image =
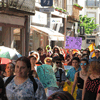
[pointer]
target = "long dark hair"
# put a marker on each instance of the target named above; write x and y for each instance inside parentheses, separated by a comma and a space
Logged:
(61, 95)
(26, 60)
(57, 49)
(3, 93)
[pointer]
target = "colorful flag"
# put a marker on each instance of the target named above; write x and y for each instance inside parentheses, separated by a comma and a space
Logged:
(92, 47)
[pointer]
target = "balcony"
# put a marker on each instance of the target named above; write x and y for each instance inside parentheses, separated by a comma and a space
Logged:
(90, 3)
(19, 7)
(73, 13)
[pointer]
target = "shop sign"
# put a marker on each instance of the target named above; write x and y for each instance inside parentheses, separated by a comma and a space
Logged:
(47, 10)
(56, 20)
(39, 18)
(89, 41)
(90, 36)
(46, 2)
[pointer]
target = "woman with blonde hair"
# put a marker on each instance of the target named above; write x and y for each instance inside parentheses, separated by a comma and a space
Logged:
(91, 82)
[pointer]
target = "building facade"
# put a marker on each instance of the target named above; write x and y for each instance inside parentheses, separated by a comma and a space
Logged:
(48, 26)
(91, 8)
(15, 24)
(73, 18)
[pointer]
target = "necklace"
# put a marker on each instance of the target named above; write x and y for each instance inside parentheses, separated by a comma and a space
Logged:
(83, 74)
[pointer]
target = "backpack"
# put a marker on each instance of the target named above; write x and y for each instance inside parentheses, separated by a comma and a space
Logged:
(35, 86)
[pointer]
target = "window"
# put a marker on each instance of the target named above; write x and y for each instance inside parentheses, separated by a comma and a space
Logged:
(37, 1)
(57, 3)
(91, 14)
(92, 3)
(17, 39)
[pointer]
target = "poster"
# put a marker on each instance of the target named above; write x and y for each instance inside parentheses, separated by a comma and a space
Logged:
(46, 75)
(73, 42)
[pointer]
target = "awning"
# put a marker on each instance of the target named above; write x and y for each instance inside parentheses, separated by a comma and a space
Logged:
(54, 35)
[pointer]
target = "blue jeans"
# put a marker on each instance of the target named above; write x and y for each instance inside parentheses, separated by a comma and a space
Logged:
(79, 94)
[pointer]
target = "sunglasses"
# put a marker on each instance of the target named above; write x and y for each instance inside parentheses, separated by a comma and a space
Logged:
(58, 62)
(96, 52)
(48, 61)
(83, 64)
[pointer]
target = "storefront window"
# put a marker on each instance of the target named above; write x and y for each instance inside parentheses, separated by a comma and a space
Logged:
(17, 40)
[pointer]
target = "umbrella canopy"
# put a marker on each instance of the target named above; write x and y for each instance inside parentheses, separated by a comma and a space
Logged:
(4, 60)
(9, 53)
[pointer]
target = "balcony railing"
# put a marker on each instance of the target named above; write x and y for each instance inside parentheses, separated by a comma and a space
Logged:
(23, 5)
(90, 3)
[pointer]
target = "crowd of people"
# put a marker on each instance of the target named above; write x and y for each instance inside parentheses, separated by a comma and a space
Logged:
(27, 78)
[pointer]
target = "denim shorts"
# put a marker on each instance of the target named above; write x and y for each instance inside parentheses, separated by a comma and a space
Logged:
(79, 94)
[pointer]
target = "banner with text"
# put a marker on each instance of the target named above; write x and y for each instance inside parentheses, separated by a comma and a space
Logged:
(73, 42)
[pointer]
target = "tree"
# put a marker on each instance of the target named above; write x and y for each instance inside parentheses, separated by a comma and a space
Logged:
(88, 23)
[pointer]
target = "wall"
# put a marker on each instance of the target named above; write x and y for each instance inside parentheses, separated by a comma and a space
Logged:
(6, 36)
(84, 12)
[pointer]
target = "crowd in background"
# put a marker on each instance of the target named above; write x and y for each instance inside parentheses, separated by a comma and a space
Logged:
(23, 80)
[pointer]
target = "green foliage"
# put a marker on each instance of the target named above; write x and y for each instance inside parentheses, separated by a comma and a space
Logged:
(57, 8)
(78, 6)
(88, 23)
(61, 9)
(64, 10)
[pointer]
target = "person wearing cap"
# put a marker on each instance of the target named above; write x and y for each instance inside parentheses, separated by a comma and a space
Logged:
(38, 62)
(97, 57)
(48, 60)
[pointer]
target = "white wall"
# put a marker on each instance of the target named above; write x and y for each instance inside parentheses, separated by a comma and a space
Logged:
(82, 3)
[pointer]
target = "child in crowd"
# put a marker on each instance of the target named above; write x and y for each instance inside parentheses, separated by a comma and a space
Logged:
(79, 78)
(91, 82)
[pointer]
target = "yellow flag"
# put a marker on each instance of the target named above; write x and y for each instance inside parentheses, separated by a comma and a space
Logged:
(93, 55)
(91, 47)
(69, 88)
